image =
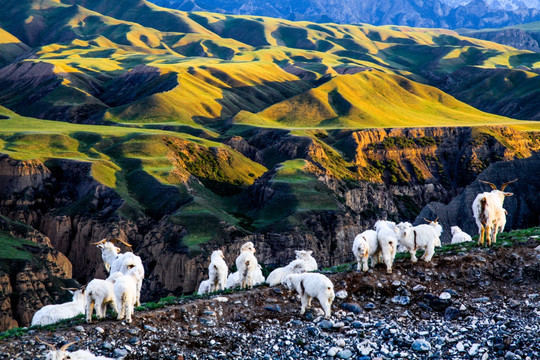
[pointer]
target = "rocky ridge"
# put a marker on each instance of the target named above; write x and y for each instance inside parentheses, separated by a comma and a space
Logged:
(469, 303)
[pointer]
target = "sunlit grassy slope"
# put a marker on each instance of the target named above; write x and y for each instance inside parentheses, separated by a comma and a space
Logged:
(130, 61)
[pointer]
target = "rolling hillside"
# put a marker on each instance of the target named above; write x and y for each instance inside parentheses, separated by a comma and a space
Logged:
(97, 62)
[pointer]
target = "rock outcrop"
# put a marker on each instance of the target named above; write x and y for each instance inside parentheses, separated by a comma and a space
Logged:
(523, 207)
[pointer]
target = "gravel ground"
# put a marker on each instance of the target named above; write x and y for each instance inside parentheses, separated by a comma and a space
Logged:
(482, 304)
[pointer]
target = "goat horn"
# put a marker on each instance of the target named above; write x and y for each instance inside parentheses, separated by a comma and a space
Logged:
(46, 343)
(121, 241)
(436, 219)
(507, 183)
(490, 184)
(429, 221)
(69, 289)
(64, 347)
(99, 242)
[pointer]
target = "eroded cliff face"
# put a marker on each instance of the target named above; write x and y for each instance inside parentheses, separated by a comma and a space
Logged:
(32, 280)
(369, 174)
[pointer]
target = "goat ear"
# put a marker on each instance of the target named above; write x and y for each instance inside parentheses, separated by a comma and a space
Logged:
(118, 250)
(310, 252)
(508, 194)
(297, 252)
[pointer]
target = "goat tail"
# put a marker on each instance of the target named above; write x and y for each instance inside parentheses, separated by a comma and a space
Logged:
(482, 214)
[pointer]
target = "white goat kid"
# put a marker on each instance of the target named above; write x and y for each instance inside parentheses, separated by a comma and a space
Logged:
(204, 287)
(388, 241)
(459, 236)
(51, 314)
(312, 285)
(311, 263)
(99, 294)
(276, 277)
(63, 354)
(366, 246)
(114, 261)
(419, 237)
(487, 208)
(217, 271)
(125, 288)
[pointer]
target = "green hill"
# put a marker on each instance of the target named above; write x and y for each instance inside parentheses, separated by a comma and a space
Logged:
(134, 62)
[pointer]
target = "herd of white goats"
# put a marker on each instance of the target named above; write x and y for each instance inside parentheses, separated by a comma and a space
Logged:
(121, 290)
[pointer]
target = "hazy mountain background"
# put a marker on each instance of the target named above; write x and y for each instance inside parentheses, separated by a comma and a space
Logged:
(452, 14)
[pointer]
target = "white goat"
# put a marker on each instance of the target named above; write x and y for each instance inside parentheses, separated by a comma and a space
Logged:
(204, 287)
(311, 263)
(419, 237)
(366, 246)
(459, 236)
(217, 271)
(487, 208)
(51, 314)
(125, 288)
(247, 264)
(235, 279)
(437, 228)
(114, 261)
(297, 266)
(388, 241)
(99, 293)
(63, 354)
(312, 285)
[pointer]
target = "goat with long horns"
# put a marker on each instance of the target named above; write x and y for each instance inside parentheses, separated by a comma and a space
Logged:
(63, 354)
(488, 212)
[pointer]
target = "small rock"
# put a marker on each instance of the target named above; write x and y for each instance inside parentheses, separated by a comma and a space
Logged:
(460, 347)
(278, 290)
(333, 351)
(354, 308)
(445, 295)
(134, 341)
(473, 350)
(396, 283)
(342, 294)
(326, 324)
(207, 322)
(421, 345)
(340, 343)
(79, 328)
(357, 325)
(511, 356)
(312, 331)
(462, 307)
(221, 299)
(194, 333)
(369, 306)
(99, 330)
(345, 354)
(419, 288)
(481, 299)
(401, 300)
(274, 308)
(120, 353)
(107, 346)
(339, 325)
(150, 328)
(451, 313)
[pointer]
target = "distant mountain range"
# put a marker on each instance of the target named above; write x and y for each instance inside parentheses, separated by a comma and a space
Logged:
(452, 14)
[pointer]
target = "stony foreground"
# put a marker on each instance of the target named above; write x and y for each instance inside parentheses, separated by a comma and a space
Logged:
(479, 304)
